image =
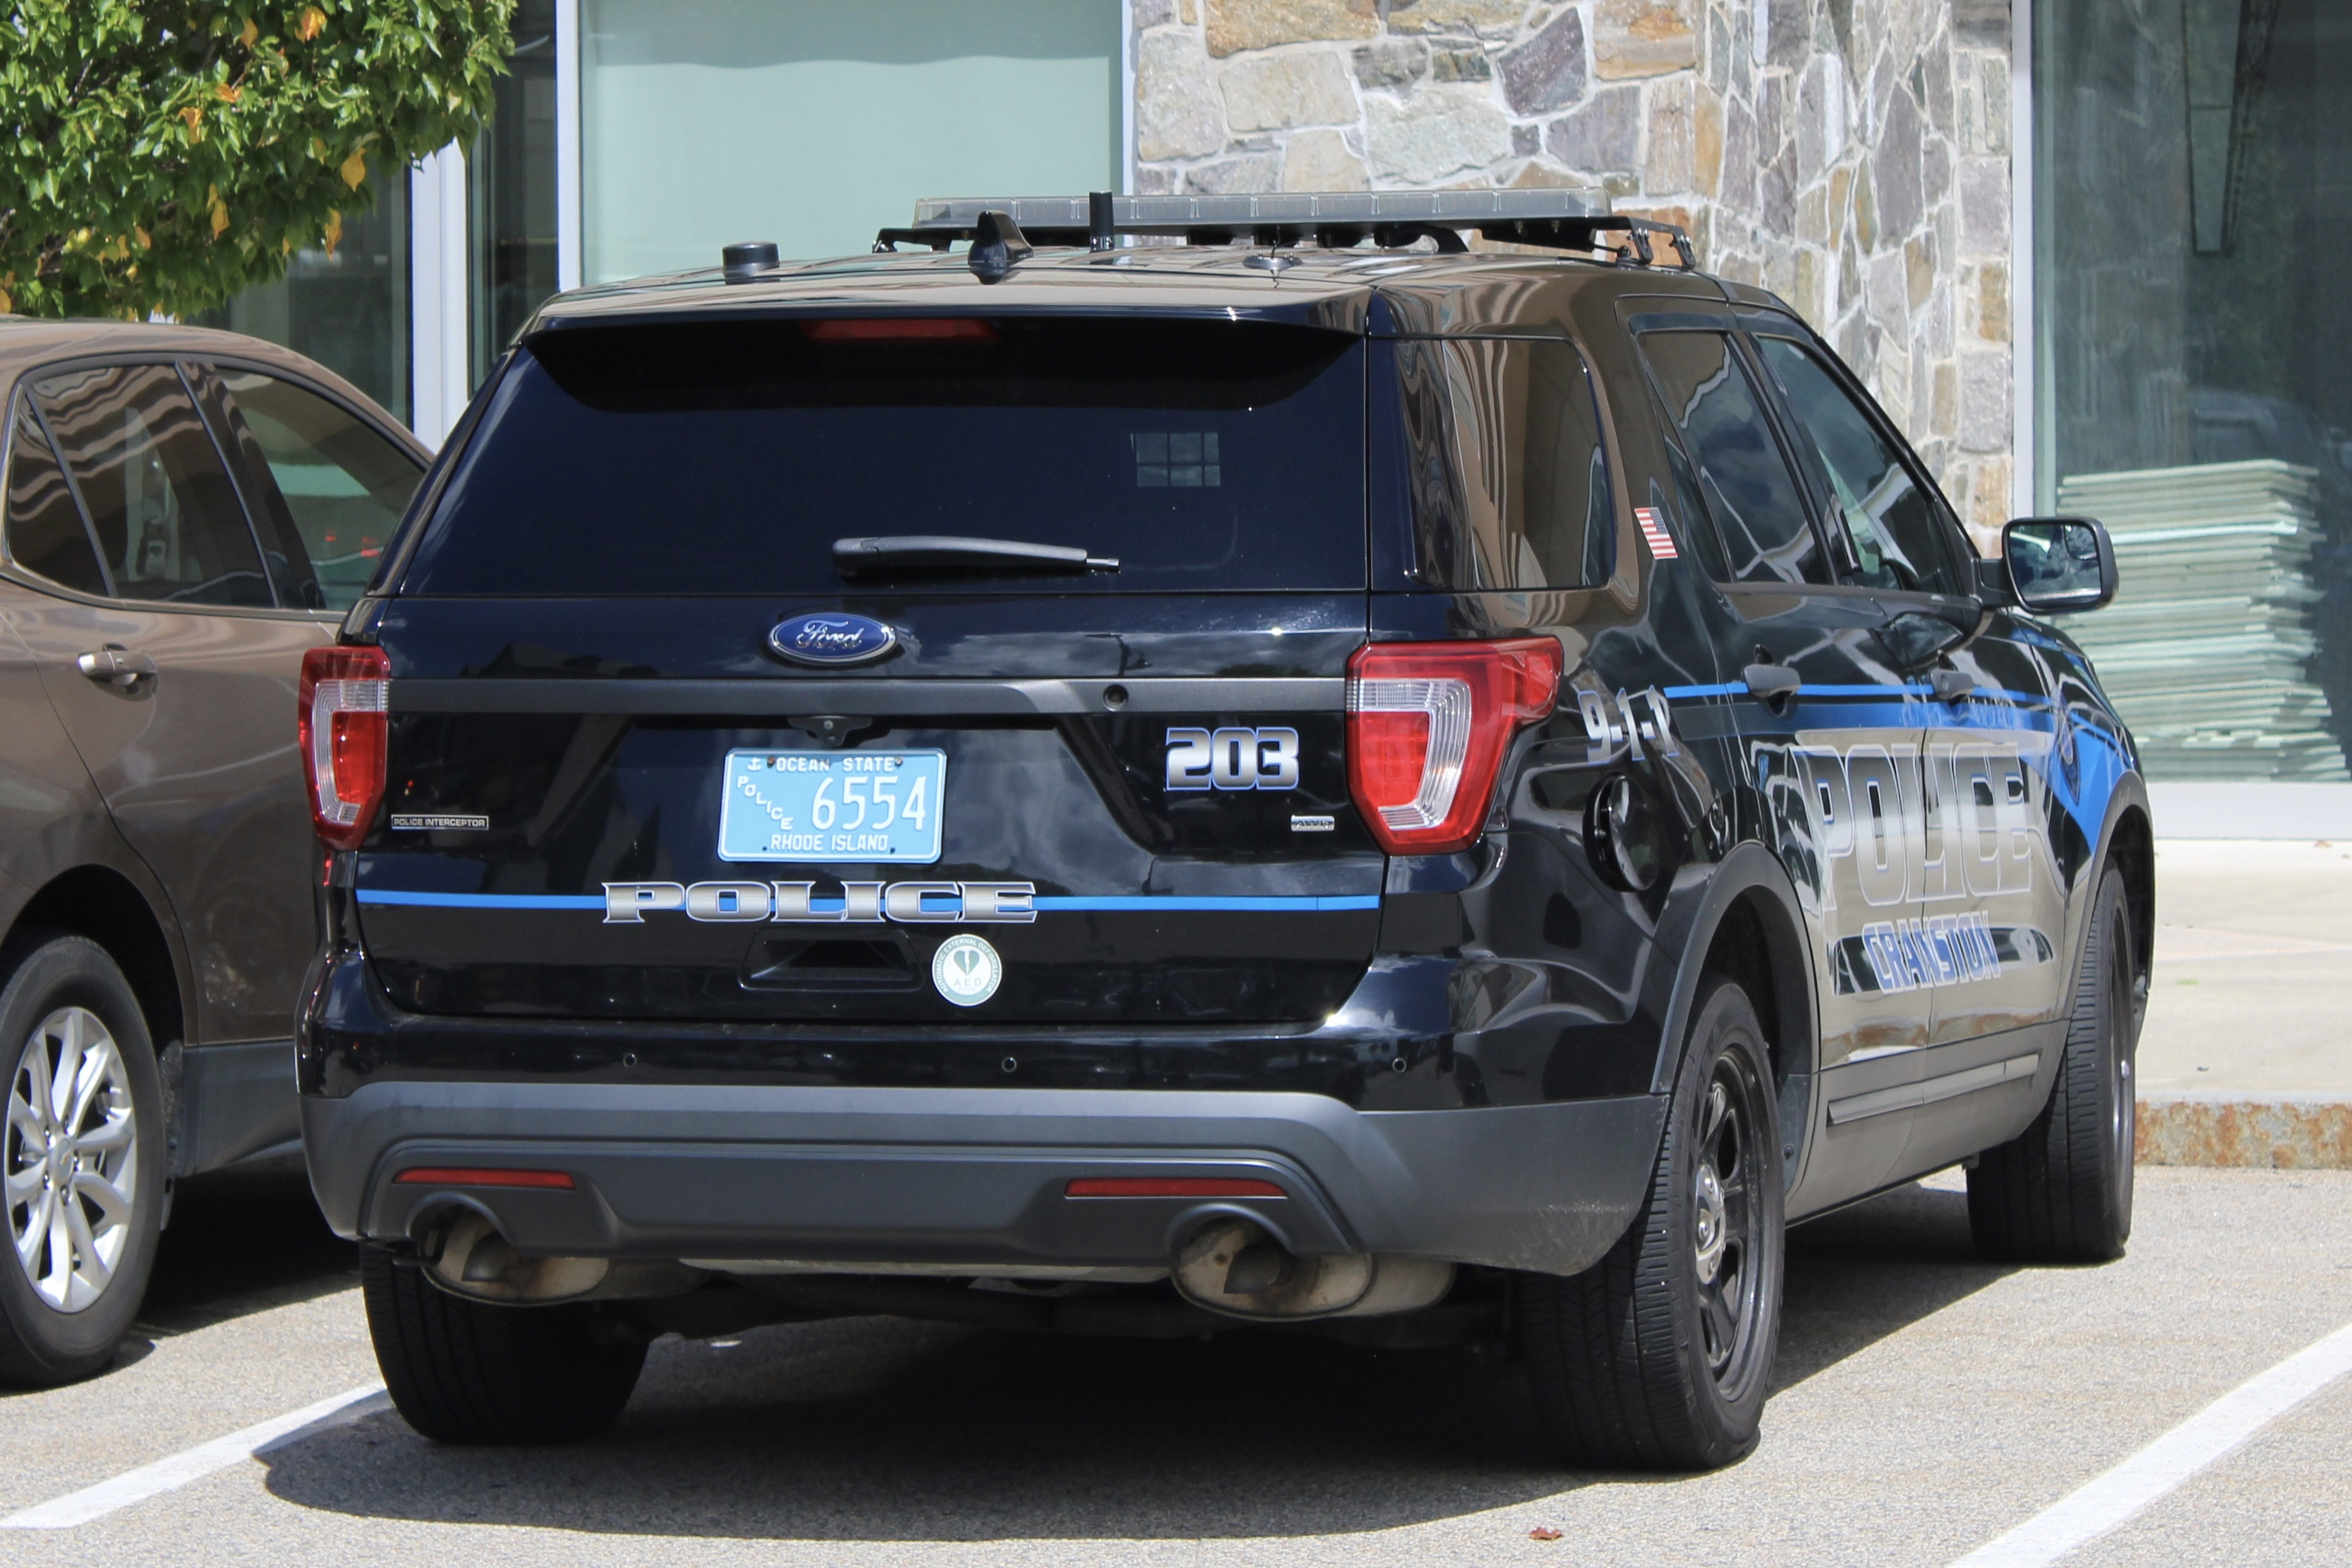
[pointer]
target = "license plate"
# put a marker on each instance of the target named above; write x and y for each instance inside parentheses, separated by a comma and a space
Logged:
(832, 805)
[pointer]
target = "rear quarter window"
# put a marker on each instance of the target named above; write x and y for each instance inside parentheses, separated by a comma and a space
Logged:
(1510, 482)
(715, 458)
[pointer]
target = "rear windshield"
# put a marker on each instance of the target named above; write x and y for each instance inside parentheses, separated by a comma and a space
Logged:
(727, 458)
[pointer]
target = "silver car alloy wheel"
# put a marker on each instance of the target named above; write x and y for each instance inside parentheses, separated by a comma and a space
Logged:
(71, 1158)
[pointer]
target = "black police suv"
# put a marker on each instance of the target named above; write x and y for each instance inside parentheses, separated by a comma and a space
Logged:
(1287, 773)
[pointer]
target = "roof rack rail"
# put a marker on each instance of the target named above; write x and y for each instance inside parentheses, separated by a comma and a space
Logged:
(1557, 219)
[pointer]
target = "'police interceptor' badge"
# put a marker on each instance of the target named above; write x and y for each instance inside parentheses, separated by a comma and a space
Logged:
(967, 971)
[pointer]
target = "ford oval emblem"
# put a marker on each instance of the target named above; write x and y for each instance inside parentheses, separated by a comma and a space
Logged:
(832, 640)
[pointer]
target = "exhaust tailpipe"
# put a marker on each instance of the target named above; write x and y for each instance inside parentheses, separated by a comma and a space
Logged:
(1233, 1267)
(475, 1261)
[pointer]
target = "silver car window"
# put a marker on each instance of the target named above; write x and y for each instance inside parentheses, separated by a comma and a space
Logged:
(45, 530)
(166, 518)
(339, 484)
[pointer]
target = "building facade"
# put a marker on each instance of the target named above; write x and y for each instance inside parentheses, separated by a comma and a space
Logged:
(2078, 248)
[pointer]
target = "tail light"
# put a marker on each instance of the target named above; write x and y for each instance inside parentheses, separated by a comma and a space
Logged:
(346, 699)
(1428, 725)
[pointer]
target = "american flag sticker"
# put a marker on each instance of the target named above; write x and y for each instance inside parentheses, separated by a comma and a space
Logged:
(1662, 544)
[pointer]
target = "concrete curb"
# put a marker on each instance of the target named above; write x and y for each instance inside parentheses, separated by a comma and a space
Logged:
(2271, 1131)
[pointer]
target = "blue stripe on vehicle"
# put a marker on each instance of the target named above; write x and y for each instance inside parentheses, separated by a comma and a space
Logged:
(1914, 688)
(1150, 904)
(483, 900)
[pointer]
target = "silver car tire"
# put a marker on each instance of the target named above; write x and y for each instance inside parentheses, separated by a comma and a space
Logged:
(82, 1153)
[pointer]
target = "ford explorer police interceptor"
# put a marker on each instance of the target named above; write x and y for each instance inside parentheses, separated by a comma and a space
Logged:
(1158, 764)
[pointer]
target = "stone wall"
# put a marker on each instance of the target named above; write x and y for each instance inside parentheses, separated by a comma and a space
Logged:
(1851, 155)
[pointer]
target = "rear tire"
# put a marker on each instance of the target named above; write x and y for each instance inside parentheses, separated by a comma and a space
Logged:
(466, 1371)
(1657, 1356)
(2061, 1191)
(82, 1154)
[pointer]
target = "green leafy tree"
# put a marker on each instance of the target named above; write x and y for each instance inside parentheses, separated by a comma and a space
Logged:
(160, 155)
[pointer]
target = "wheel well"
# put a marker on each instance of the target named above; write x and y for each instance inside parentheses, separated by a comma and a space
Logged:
(1754, 946)
(2132, 851)
(102, 905)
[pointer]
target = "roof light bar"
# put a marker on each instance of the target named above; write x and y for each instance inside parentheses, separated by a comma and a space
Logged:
(1567, 219)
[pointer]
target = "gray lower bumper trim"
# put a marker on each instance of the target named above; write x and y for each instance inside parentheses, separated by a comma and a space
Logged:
(917, 1174)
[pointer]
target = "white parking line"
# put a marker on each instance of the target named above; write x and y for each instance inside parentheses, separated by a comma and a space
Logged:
(2101, 1505)
(191, 1465)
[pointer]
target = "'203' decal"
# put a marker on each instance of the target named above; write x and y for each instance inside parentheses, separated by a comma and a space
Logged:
(1232, 759)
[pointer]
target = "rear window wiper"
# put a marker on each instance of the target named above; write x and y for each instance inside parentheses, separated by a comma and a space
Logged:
(953, 553)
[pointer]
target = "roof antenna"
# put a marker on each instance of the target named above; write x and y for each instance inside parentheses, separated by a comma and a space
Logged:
(743, 262)
(1100, 222)
(997, 243)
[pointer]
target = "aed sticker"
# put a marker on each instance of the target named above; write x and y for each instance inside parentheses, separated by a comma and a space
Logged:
(967, 971)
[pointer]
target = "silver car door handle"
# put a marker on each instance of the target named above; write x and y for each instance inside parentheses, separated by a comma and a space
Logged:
(116, 667)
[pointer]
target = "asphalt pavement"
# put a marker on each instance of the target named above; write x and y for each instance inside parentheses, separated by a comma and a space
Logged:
(1928, 1402)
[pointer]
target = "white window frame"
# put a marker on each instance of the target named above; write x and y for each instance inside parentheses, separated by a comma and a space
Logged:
(2026, 438)
(438, 304)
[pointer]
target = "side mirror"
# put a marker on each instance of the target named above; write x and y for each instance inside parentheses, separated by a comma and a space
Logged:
(2058, 564)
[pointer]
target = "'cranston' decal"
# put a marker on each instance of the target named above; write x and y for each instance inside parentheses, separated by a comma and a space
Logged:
(1938, 951)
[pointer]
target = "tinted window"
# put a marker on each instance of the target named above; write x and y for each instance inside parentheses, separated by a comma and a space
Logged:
(332, 489)
(167, 520)
(1742, 477)
(1898, 536)
(1510, 485)
(45, 531)
(699, 458)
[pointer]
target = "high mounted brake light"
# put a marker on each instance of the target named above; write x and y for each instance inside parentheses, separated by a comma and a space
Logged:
(1428, 725)
(346, 696)
(901, 329)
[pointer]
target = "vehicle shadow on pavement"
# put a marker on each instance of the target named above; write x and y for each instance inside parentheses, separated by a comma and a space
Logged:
(242, 1240)
(876, 1430)
(1860, 1274)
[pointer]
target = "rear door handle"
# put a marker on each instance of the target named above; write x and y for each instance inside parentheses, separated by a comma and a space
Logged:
(116, 666)
(1950, 685)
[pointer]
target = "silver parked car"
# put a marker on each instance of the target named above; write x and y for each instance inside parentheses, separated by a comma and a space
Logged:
(187, 511)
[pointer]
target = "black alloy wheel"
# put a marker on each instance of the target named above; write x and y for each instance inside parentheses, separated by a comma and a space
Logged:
(1726, 1222)
(1657, 1357)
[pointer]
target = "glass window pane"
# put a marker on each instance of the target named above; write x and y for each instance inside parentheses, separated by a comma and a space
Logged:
(1896, 527)
(1743, 479)
(814, 123)
(339, 485)
(346, 308)
(45, 530)
(2192, 242)
(722, 458)
(510, 178)
(167, 520)
(1515, 486)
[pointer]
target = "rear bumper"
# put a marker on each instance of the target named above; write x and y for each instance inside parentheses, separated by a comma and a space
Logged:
(966, 1176)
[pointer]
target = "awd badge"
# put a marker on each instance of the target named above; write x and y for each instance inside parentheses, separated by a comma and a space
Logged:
(966, 970)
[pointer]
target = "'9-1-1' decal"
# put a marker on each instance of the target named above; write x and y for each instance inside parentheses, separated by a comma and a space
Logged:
(1232, 759)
